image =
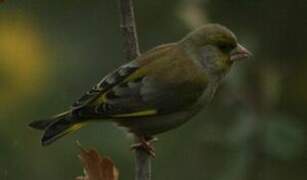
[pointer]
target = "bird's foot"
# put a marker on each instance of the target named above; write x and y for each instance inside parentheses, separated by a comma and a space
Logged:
(146, 145)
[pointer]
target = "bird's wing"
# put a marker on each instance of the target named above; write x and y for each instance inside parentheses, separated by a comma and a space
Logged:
(166, 82)
(107, 83)
(116, 77)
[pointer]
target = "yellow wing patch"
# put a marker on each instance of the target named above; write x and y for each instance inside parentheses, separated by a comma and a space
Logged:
(72, 129)
(102, 99)
(136, 114)
(76, 127)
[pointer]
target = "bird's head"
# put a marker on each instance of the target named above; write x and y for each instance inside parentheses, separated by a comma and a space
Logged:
(216, 47)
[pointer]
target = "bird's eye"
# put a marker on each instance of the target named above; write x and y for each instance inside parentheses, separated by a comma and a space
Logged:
(224, 47)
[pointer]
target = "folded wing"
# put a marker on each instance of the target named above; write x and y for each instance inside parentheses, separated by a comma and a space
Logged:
(160, 82)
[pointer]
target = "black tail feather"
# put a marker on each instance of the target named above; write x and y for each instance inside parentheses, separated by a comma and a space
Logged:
(56, 130)
(56, 127)
(41, 124)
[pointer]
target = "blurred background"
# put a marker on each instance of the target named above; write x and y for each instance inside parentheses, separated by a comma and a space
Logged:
(53, 51)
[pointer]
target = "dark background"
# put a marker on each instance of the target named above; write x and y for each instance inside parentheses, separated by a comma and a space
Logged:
(53, 51)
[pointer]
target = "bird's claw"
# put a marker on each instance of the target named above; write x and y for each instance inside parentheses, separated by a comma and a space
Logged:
(145, 145)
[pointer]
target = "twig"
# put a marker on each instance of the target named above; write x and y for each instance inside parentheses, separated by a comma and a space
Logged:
(142, 165)
(128, 29)
(131, 51)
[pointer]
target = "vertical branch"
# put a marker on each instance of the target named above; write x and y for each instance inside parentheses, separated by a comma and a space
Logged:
(131, 51)
(128, 30)
(142, 165)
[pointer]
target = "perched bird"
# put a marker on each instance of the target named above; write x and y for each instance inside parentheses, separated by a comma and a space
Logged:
(159, 90)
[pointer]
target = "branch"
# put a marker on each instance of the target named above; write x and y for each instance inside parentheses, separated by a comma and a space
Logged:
(128, 30)
(131, 51)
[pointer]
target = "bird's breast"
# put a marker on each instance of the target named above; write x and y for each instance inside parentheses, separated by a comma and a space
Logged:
(207, 95)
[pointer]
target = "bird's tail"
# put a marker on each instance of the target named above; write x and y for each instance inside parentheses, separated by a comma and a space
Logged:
(56, 127)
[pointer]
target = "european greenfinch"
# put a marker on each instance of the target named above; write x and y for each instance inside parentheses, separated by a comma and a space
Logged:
(159, 90)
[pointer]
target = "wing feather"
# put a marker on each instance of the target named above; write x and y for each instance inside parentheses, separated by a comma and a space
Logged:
(105, 84)
(156, 88)
(117, 76)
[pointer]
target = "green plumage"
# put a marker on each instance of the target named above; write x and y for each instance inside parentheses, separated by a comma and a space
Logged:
(157, 91)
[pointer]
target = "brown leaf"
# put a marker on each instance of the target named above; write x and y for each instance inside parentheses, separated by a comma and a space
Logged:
(97, 167)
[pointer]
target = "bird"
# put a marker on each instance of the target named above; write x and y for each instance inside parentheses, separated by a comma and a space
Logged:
(158, 91)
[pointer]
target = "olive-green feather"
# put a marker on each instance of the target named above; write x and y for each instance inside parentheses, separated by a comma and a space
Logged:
(167, 82)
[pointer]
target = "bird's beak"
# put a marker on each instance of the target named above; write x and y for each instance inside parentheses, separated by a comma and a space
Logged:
(239, 53)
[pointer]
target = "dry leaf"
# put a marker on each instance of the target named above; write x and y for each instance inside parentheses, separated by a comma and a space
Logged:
(97, 167)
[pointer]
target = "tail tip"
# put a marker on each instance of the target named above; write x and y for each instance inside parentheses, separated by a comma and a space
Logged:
(40, 124)
(47, 139)
(33, 124)
(45, 143)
